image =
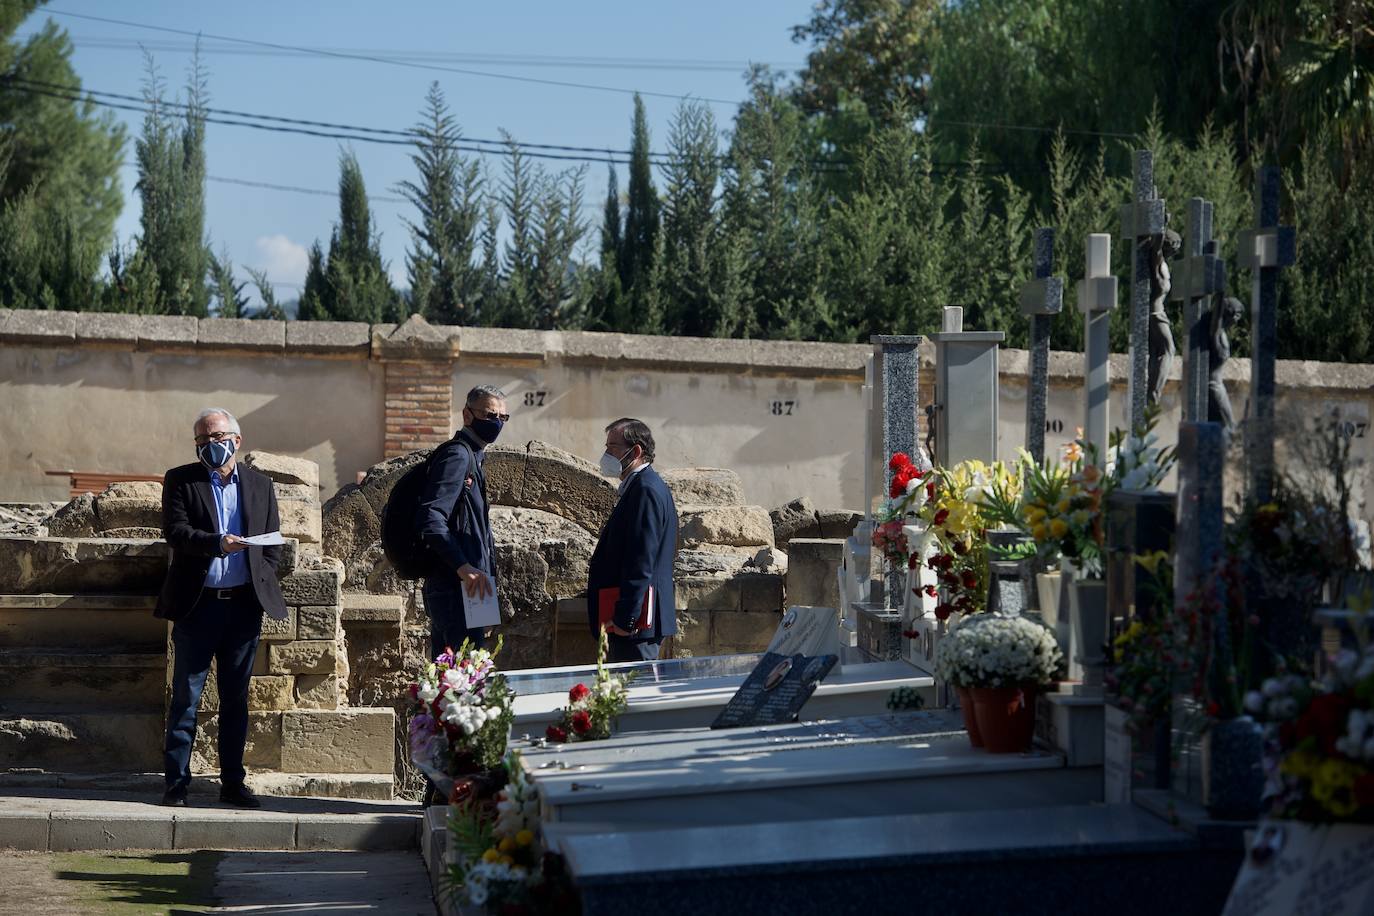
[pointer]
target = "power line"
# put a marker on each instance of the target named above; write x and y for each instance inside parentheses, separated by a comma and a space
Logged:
(106, 43)
(346, 55)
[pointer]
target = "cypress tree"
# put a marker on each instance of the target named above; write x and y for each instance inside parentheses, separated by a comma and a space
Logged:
(639, 243)
(356, 286)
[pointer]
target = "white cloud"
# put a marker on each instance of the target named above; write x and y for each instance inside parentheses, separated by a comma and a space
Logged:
(283, 260)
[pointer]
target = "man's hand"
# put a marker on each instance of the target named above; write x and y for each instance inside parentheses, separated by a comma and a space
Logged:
(475, 582)
(612, 628)
(232, 543)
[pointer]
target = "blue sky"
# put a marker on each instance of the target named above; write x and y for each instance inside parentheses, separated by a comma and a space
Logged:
(271, 230)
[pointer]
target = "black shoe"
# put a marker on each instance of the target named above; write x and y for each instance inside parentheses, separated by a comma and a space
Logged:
(175, 797)
(239, 796)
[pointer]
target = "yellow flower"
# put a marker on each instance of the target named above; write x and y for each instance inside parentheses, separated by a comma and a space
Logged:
(1062, 507)
(491, 855)
(1299, 764)
(1059, 528)
(1035, 514)
(1039, 533)
(507, 860)
(1073, 452)
(506, 845)
(524, 837)
(1333, 785)
(1150, 561)
(1081, 517)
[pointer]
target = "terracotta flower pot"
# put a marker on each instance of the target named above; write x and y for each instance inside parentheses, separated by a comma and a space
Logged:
(970, 720)
(1006, 717)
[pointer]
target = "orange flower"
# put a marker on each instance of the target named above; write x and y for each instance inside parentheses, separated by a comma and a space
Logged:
(1073, 451)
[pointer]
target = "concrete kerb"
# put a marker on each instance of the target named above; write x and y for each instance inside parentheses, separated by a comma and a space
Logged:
(105, 821)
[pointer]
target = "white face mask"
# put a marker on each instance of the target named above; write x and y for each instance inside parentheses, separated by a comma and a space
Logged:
(610, 465)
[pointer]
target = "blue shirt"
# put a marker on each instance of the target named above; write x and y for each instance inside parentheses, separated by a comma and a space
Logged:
(231, 569)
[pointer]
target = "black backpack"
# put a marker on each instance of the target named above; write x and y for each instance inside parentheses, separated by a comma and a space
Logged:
(405, 549)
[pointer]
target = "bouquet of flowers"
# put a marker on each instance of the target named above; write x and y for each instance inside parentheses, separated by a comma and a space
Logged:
(592, 710)
(460, 716)
(989, 650)
(499, 863)
(1320, 753)
(1147, 653)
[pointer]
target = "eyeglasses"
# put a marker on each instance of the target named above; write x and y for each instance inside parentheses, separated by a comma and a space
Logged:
(217, 436)
(490, 415)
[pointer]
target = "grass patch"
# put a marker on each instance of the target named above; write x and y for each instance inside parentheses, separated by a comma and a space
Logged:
(139, 884)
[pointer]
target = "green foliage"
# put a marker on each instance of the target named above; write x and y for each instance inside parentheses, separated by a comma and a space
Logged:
(638, 262)
(447, 196)
(227, 292)
(64, 157)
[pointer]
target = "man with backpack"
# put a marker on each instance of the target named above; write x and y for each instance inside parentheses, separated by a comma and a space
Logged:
(454, 523)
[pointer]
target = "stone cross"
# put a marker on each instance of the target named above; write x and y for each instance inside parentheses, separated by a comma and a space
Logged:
(1140, 220)
(1096, 299)
(1264, 250)
(1041, 300)
(1197, 278)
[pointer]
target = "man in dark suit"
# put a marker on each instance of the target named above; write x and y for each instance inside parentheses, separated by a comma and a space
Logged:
(636, 549)
(455, 521)
(217, 589)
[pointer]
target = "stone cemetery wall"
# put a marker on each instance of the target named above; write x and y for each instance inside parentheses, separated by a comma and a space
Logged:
(786, 417)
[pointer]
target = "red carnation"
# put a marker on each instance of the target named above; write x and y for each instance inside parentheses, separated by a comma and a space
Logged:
(899, 461)
(942, 611)
(554, 733)
(931, 591)
(582, 721)
(960, 548)
(578, 692)
(1324, 720)
(897, 488)
(941, 516)
(911, 634)
(930, 490)
(970, 579)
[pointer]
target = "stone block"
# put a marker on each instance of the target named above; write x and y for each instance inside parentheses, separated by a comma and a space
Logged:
(64, 566)
(373, 609)
(742, 631)
(285, 469)
(262, 749)
(206, 832)
(313, 656)
(300, 520)
(317, 622)
(338, 741)
(693, 634)
(340, 337)
(380, 832)
(74, 520)
(41, 327)
(704, 486)
(167, 332)
(791, 519)
(813, 571)
(87, 832)
(791, 357)
(540, 476)
(260, 660)
(271, 692)
(24, 831)
(274, 630)
(131, 504)
(734, 526)
(762, 592)
(313, 587)
(565, 546)
(134, 534)
(241, 334)
(707, 593)
(317, 691)
(299, 492)
(528, 611)
(107, 329)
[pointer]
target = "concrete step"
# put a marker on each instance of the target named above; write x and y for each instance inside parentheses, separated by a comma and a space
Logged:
(87, 678)
(94, 621)
(361, 786)
(57, 820)
(82, 742)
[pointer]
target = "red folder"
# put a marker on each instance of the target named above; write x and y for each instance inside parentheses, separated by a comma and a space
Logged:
(606, 600)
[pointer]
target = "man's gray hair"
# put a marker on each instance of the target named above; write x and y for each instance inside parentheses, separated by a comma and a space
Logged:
(483, 392)
(220, 411)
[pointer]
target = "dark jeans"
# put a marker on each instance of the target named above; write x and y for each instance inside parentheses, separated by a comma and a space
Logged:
(227, 632)
(624, 649)
(447, 623)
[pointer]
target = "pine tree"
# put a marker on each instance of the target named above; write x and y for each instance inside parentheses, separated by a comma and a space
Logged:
(607, 296)
(225, 290)
(312, 305)
(519, 192)
(171, 188)
(640, 240)
(356, 286)
(448, 197)
(271, 310)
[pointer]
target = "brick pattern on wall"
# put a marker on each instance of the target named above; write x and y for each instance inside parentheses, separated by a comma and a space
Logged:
(419, 405)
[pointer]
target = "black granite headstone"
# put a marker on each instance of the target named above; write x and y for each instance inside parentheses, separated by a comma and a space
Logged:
(775, 691)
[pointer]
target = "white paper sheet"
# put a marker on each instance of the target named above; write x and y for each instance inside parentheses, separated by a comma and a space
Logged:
(481, 612)
(270, 539)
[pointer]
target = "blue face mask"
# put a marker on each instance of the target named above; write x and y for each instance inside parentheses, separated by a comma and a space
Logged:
(215, 455)
(487, 429)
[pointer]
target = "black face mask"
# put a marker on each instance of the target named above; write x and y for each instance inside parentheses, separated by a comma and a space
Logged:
(486, 429)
